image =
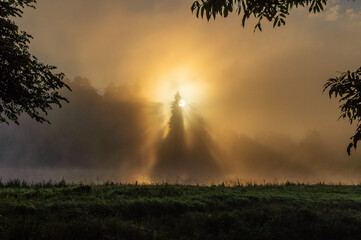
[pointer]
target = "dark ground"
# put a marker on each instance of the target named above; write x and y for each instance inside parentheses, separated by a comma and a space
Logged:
(112, 211)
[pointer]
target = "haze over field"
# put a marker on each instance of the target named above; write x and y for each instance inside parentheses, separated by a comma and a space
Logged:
(254, 107)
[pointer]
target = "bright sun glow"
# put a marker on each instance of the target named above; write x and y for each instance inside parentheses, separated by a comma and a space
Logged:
(182, 103)
(185, 80)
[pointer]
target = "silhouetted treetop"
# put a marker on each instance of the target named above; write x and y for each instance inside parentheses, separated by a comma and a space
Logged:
(26, 85)
(176, 121)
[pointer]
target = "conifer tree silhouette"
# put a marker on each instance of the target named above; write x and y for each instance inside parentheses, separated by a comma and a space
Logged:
(171, 155)
(185, 152)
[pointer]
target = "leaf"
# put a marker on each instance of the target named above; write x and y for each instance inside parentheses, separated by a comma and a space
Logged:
(349, 148)
(225, 13)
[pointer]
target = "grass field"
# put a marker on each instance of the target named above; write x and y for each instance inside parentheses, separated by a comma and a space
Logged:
(115, 211)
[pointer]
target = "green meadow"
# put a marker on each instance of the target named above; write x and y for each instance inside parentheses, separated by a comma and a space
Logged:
(164, 211)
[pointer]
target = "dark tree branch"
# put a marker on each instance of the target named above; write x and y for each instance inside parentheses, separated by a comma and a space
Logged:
(26, 85)
(347, 87)
(275, 11)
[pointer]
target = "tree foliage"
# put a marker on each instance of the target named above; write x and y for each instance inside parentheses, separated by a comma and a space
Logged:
(274, 11)
(26, 85)
(347, 87)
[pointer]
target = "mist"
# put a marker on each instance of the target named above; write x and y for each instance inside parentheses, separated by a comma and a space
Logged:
(255, 108)
(132, 138)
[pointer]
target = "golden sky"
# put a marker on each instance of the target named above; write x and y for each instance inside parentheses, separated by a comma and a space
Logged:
(263, 85)
(259, 81)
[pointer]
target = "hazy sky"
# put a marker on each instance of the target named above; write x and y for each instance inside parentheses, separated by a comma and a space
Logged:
(263, 86)
(269, 81)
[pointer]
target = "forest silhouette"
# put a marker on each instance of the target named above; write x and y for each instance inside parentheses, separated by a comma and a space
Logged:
(118, 129)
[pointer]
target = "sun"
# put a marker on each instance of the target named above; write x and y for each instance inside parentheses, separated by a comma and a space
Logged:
(182, 103)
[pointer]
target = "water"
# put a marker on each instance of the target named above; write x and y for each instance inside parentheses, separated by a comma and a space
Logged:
(70, 175)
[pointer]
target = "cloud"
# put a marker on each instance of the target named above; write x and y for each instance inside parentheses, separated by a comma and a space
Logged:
(347, 12)
(333, 13)
(353, 15)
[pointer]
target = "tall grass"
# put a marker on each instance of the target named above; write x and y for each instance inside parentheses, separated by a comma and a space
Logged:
(226, 210)
(22, 183)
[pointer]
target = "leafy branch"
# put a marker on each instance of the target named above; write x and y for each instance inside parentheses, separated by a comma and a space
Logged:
(26, 85)
(275, 11)
(347, 87)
